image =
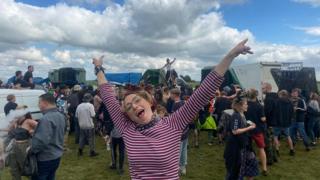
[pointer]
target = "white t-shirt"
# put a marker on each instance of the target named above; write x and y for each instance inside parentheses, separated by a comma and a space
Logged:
(85, 112)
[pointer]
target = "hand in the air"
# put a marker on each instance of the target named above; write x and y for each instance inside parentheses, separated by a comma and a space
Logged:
(97, 61)
(241, 48)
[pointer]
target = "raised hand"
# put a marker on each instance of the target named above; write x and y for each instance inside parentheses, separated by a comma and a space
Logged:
(98, 61)
(241, 48)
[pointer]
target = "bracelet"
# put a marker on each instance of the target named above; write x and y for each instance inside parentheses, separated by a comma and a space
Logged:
(97, 69)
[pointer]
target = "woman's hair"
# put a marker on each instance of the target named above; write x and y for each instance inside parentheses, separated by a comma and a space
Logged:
(165, 90)
(158, 95)
(239, 101)
(10, 97)
(143, 94)
(314, 96)
(175, 91)
(252, 94)
(160, 109)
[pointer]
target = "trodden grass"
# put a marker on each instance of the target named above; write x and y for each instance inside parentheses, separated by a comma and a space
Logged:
(205, 163)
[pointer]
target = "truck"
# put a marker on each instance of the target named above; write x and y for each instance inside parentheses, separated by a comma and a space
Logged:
(67, 76)
(280, 75)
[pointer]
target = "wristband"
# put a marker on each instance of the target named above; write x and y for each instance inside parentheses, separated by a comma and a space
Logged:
(97, 69)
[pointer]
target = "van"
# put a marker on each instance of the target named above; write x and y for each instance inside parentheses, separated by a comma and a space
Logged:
(26, 97)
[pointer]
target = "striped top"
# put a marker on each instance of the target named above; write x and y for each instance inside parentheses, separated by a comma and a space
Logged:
(153, 153)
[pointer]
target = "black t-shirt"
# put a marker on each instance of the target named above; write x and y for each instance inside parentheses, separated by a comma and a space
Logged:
(270, 108)
(10, 106)
(175, 107)
(254, 113)
(221, 104)
(27, 76)
(299, 114)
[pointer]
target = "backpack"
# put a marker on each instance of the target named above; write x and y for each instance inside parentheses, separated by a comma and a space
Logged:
(30, 166)
(208, 123)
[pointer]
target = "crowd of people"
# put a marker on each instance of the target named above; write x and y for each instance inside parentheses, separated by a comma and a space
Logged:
(20, 80)
(152, 125)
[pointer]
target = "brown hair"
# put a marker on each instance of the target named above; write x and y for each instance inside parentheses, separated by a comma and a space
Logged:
(296, 90)
(10, 97)
(314, 96)
(161, 109)
(253, 94)
(165, 90)
(237, 103)
(175, 91)
(143, 94)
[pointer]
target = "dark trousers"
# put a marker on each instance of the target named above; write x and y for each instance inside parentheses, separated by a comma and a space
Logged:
(87, 135)
(47, 169)
(76, 131)
(311, 126)
(72, 116)
(270, 148)
(317, 128)
(114, 143)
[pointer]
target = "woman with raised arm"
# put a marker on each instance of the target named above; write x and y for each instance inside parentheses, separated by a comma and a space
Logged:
(153, 143)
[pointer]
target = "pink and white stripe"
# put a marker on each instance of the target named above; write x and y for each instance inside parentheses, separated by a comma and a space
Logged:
(153, 153)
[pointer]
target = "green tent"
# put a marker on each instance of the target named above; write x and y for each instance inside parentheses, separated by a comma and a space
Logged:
(154, 76)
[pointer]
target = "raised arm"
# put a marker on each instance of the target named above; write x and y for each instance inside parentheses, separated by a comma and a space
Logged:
(172, 61)
(207, 89)
(108, 98)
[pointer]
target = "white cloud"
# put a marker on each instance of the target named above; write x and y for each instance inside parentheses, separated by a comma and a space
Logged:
(93, 3)
(135, 36)
(314, 3)
(315, 31)
(19, 59)
(233, 1)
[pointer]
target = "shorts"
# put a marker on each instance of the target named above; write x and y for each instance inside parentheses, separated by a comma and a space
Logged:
(259, 140)
(278, 130)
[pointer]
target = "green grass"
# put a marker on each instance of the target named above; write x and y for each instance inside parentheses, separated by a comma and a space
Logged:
(203, 163)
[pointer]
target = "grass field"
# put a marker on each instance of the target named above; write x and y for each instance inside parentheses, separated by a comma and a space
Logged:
(205, 163)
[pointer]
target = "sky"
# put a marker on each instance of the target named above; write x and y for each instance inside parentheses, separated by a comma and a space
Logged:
(135, 35)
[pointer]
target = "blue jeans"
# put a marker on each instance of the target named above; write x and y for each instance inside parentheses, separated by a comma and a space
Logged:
(317, 128)
(47, 170)
(311, 126)
(184, 153)
(299, 126)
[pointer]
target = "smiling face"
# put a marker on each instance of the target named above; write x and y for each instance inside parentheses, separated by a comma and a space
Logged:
(138, 108)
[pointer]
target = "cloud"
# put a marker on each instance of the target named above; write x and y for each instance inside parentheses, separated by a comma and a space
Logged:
(135, 36)
(18, 59)
(147, 27)
(233, 2)
(91, 3)
(313, 3)
(314, 31)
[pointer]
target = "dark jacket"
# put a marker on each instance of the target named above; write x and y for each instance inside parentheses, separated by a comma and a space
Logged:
(300, 113)
(270, 103)
(221, 104)
(234, 145)
(284, 109)
(312, 113)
